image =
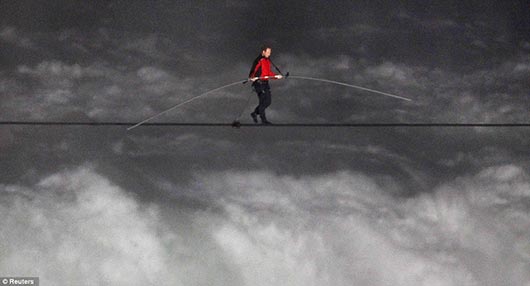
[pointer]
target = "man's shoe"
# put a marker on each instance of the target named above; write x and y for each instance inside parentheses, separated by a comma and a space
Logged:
(266, 122)
(254, 117)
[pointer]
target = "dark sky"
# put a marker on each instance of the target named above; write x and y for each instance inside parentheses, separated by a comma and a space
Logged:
(452, 202)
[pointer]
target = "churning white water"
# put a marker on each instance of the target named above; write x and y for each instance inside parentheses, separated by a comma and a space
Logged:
(78, 228)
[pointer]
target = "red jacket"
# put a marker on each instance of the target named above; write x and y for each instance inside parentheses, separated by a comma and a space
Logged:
(261, 67)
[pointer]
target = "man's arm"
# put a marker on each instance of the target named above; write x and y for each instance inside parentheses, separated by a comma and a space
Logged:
(254, 67)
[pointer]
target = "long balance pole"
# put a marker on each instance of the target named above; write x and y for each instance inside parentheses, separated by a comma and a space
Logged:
(245, 81)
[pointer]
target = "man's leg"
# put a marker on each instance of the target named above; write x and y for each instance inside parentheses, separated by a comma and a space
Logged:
(258, 90)
(268, 98)
(265, 101)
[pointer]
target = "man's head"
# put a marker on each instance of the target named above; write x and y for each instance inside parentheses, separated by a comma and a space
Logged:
(266, 51)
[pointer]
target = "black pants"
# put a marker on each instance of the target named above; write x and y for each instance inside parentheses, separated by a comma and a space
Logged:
(264, 95)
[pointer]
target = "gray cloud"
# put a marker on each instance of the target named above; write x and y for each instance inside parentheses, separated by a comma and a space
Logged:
(11, 35)
(96, 90)
(6, 138)
(98, 87)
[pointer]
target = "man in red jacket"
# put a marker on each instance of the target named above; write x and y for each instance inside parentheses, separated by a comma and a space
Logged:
(260, 73)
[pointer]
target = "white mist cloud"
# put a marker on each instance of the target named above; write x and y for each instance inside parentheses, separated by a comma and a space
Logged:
(329, 230)
(76, 227)
(344, 228)
(484, 220)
